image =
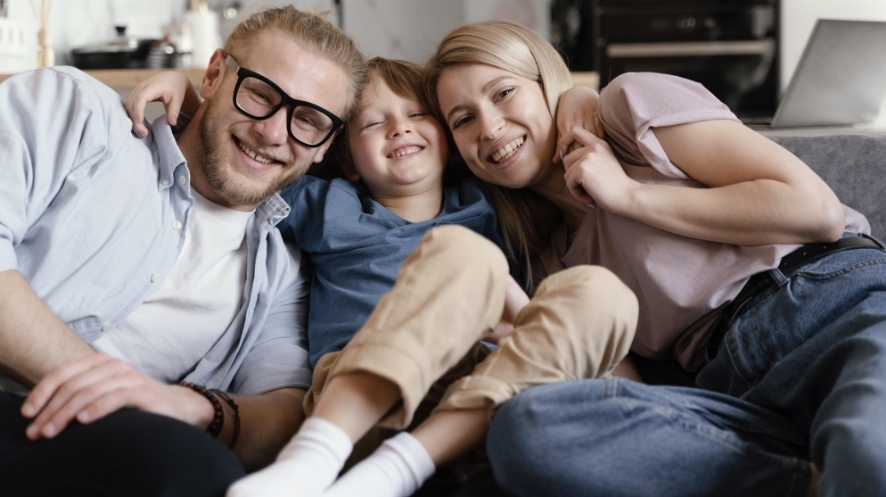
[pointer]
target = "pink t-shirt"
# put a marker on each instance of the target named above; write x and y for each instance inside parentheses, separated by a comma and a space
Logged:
(681, 283)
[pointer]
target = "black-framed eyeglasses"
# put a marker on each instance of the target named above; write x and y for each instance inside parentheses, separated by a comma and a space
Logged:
(259, 98)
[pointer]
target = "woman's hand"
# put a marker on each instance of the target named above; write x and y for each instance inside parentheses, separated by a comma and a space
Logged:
(169, 87)
(515, 300)
(577, 108)
(593, 174)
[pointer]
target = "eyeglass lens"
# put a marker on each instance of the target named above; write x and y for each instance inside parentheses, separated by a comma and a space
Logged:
(257, 98)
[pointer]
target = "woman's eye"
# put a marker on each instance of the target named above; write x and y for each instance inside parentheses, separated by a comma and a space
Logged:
(418, 114)
(461, 122)
(504, 93)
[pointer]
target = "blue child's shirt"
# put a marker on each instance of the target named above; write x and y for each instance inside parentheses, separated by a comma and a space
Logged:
(357, 246)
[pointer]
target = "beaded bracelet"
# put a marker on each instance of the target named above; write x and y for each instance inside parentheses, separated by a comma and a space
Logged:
(234, 407)
(218, 418)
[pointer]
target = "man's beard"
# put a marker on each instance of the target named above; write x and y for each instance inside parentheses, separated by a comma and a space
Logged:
(214, 158)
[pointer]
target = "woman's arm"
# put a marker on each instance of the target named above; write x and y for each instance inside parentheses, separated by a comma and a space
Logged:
(174, 89)
(759, 193)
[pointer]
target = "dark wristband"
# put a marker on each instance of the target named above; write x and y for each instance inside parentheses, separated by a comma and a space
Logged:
(234, 407)
(218, 418)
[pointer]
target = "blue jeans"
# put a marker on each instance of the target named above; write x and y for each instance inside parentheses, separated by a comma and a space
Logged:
(800, 376)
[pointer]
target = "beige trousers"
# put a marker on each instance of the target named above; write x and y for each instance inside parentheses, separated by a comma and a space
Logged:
(449, 295)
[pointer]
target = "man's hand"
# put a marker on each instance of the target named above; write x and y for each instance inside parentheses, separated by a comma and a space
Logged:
(91, 388)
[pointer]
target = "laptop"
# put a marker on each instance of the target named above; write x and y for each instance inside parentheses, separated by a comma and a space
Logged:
(841, 77)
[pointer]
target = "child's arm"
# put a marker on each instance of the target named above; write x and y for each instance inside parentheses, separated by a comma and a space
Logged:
(577, 108)
(172, 88)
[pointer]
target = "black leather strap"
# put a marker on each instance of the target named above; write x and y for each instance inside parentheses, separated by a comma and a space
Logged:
(814, 251)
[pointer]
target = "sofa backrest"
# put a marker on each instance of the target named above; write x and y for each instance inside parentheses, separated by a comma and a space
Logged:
(854, 166)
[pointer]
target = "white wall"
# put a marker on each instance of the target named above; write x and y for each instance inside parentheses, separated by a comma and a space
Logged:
(798, 18)
(400, 29)
(405, 29)
(411, 29)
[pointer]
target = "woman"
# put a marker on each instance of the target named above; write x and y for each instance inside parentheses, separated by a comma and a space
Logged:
(733, 247)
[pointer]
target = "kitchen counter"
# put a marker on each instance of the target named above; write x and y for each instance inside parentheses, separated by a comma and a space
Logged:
(129, 78)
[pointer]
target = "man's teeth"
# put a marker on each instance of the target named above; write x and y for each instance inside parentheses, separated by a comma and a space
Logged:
(507, 151)
(252, 154)
(406, 151)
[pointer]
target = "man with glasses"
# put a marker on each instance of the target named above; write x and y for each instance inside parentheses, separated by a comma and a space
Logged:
(160, 254)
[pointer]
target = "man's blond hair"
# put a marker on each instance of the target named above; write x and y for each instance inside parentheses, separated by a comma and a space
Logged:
(313, 33)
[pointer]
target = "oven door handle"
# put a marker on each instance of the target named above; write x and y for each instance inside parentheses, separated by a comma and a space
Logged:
(688, 49)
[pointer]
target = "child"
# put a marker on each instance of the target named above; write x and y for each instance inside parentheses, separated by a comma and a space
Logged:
(357, 233)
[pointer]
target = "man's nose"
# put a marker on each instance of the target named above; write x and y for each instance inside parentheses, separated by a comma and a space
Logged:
(273, 129)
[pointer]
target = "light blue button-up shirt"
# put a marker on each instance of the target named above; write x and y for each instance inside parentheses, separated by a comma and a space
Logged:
(94, 219)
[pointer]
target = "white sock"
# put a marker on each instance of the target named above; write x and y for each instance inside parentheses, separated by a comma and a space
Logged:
(397, 469)
(305, 467)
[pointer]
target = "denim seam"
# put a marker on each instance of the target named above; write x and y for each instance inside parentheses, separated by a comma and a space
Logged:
(735, 367)
(841, 271)
(785, 462)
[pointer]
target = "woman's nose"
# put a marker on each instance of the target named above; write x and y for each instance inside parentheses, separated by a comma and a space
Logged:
(490, 124)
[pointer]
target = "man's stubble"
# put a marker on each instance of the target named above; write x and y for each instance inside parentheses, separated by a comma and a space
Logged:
(215, 158)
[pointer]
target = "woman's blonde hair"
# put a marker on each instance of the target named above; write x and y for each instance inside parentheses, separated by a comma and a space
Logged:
(526, 218)
(313, 33)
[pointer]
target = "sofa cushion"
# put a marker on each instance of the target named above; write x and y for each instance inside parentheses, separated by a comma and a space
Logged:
(853, 165)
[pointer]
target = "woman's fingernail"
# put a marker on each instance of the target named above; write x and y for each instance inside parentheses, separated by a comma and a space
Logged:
(49, 429)
(83, 417)
(28, 410)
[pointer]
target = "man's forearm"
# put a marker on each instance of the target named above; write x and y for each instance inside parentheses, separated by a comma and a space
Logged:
(267, 422)
(32, 339)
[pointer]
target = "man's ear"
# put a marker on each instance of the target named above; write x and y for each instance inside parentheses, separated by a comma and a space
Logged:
(215, 73)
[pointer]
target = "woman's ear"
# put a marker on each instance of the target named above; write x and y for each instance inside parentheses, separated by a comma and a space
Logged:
(214, 75)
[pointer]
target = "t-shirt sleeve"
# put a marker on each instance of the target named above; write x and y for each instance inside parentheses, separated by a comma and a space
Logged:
(635, 103)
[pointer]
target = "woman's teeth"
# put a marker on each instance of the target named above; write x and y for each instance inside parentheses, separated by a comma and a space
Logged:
(252, 154)
(507, 151)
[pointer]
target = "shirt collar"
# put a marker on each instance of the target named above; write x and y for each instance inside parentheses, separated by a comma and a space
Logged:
(170, 157)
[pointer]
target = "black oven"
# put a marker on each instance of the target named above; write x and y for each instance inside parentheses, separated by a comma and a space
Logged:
(729, 46)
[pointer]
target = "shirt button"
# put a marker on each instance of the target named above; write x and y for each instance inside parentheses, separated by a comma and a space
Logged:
(106, 326)
(176, 225)
(154, 277)
(165, 182)
(182, 179)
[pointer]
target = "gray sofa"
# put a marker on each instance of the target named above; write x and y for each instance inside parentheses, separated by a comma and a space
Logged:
(855, 168)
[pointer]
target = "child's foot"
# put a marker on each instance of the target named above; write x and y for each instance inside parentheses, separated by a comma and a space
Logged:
(397, 469)
(305, 467)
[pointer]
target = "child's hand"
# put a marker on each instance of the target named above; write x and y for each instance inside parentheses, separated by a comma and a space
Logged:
(577, 108)
(515, 300)
(168, 87)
